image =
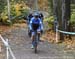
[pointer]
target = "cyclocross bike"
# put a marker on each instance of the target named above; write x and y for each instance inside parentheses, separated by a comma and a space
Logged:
(36, 41)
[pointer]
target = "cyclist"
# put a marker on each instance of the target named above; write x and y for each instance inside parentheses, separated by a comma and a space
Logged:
(35, 25)
(28, 21)
(29, 17)
(41, 16)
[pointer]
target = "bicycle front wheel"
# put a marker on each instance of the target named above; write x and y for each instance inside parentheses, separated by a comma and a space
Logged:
(35, 47)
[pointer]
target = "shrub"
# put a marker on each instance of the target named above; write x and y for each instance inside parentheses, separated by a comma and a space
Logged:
(49, 20)
(18, 11)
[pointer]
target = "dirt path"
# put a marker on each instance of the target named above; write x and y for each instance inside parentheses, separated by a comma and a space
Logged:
(21, 43)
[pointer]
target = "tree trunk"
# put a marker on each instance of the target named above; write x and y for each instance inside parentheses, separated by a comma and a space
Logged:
(61, 11)
(55, 9)
(55, 12)
(65, 14)
(68, 16)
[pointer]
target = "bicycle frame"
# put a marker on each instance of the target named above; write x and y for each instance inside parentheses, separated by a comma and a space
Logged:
(36, 40)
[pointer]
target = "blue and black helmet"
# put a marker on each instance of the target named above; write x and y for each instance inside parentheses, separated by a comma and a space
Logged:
(35, 14)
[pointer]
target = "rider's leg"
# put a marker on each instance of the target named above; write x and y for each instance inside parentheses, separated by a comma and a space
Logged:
(32, 38)
(39, 33)
(29, 32)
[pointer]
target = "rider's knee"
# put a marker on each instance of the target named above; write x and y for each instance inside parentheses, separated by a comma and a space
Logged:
(32, 37)
(39, 32)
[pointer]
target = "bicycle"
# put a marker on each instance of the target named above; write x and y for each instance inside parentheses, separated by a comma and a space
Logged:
(36, 41)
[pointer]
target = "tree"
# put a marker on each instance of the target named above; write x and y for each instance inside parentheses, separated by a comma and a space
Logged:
(65, 14)
(61, 9)
(55, 10)
(51, 3)
(2, 5)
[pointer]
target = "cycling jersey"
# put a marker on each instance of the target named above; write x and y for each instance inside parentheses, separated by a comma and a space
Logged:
(36, 24)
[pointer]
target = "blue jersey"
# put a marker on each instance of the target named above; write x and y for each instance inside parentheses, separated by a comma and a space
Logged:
(35, 24)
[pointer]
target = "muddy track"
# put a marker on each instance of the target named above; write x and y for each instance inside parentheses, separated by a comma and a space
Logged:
(21, 43)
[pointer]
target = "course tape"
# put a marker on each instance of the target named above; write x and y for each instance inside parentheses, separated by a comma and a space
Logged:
(8, 48)
(71, 33)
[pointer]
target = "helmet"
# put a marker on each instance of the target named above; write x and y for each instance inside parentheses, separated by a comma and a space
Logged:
(36, 14)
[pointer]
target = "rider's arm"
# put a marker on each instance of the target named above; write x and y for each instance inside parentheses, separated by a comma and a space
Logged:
(41, 24)
(27, 19)
(30, 24)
